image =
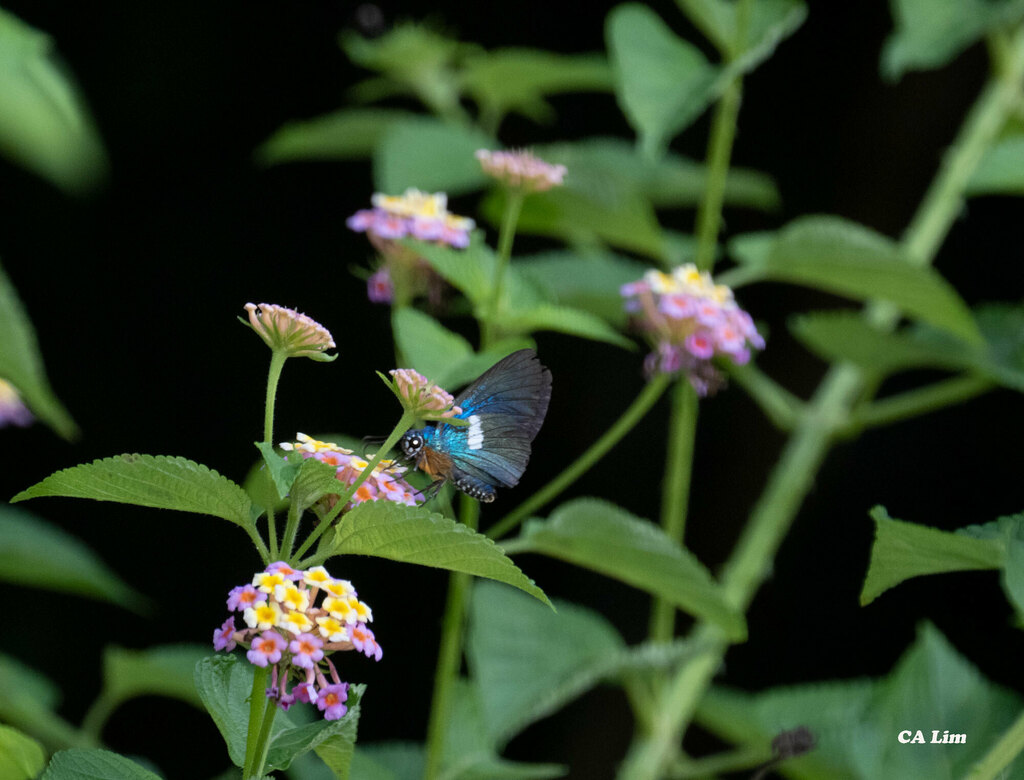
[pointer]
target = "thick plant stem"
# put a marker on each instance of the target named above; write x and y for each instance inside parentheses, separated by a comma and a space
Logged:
(509, 219)
(277, 358)
(449, 656)
(675, 494)
(256, 702)
(634, 413)
(824, 416)
(723, 132)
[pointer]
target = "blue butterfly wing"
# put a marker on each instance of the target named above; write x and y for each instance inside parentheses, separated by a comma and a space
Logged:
(517, 386)
(505, 408)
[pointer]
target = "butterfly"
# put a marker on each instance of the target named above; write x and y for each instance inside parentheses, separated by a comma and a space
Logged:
(504, 409)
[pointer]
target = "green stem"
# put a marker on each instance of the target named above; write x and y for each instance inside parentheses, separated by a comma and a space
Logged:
(675, 494)
(634, 413)
(257, 697)
(825, 415)
(920, 401)
(779, 405)
(513, 207)
(404, 423)
(739, 760)
(1001, 754)
(277, 358)
(450, 652)
(290, 529)
(263, 740)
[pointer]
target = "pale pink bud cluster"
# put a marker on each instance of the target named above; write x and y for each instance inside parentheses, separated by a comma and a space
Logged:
(521, 170)
(421, 396)
(689, 320)
(289, 331)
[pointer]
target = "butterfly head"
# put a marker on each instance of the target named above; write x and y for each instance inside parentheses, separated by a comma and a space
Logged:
(411, 444)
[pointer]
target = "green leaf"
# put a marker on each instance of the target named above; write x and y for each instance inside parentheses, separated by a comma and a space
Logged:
(441, 355)
(430, 155)
(904, 550)
(415, 535)
(931, 33)
(469, 752)
(588, 281)
(587, 211)
(333, 741)
(605, 538)
(21, 757)
(527, 661)
(517, 79)
(159, 481)
(846, 335)
(167, 670)
(663, 83)
(315, 480)
(670, 181)
(465, 371)
(770, 21)
(427, 345)
(351, 133)
(260, 488)
(562, 319)
(389, 761)
(29, 701)
(856, 723)
(1012, 578)
(93, 764)
(1001, 170)
(224, 683)
(282, 471)
(842, 257)
(39, 555)
(469, 270)
(21, 363)
(44, 123)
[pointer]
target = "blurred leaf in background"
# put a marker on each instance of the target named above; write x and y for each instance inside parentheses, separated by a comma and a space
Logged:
(44, 123)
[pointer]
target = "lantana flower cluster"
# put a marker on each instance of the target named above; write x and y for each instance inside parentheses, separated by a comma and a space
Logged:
(689, 320)
(294, 620)
(414, 214)
(521, 170)
(421, 396)
(387, 481)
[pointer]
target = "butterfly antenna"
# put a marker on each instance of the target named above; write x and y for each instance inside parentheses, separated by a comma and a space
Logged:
(371, 441)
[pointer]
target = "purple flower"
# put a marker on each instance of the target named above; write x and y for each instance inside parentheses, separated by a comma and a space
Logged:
(224, 637)
(306, 650)
(266, 648)
(12, 410)
(331, 700)
(379, 287)
(242, 597)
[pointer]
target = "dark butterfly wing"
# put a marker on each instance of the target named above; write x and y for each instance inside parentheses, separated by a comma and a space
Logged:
(517, 386)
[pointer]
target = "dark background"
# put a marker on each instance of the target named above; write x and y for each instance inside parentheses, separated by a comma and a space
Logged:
(134, 294)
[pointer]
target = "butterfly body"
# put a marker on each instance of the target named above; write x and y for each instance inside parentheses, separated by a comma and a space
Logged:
(503, 410)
